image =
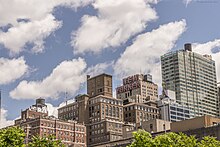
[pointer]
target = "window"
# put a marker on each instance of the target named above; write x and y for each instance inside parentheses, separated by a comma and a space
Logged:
(100, 90)
(151, 127)
(106, 110)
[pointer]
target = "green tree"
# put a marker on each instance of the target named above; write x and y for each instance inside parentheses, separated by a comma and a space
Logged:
(175, 140)
(12, 137)
(208, 141)
(49, 141)
(144, 139)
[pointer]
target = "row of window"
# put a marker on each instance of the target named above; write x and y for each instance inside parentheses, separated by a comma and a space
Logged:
(143, 108)
(99, 139)
(61, 126)
(101, 131)
(106, 100)
(68, 108)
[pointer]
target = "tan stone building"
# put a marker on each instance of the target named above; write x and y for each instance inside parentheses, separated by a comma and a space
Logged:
(36, 122)
(105, 112)
(194, 123)
(199, 127)
(155, 125)
(105, 119)
(99, 85)
(138, 112)
(137, 88)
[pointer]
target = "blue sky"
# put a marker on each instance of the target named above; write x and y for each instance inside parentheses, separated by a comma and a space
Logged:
(48, 47)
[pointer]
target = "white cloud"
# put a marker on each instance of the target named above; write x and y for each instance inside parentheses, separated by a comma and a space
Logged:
(12, 69)
(144, 54)
(66, 102)
(116, 22)
(187, 2)
(4, 122)
(31, 32)
(207, 48)
(39, 22)
(98, 68)
(66, 77)
(52, 110)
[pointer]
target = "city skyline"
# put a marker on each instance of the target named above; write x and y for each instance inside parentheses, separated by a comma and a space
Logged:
(70, 39)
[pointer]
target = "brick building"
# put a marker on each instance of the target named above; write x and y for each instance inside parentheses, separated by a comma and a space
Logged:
(35, 121)
(77, 110)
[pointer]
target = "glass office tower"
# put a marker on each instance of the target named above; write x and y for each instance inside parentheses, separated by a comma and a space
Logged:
(193, 78)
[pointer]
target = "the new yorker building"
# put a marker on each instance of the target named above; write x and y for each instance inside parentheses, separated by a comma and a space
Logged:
(137, 88)
(139, 95)
(193, 78)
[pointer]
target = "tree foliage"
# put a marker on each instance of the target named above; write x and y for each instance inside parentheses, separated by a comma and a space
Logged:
(15, 136)
(144, 139)
(12, 137)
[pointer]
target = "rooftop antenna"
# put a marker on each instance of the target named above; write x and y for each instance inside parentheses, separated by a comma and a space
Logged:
(140, 71)
(66, 97)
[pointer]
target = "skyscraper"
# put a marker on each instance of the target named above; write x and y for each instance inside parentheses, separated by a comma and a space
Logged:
(218, 85)
(218, 89)
(193, 78)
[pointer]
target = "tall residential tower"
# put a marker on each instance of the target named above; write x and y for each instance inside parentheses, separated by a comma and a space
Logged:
(193, 78)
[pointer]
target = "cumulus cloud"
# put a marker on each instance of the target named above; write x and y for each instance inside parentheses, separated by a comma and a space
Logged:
(4, 122)
(31, 32)
(66, 102)
(116, 22)
(210, 48)
(187, 2)
(30, 22)
(66, 77)
(144, 54)
(52, 110)
(98, 68)
(12, 69)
